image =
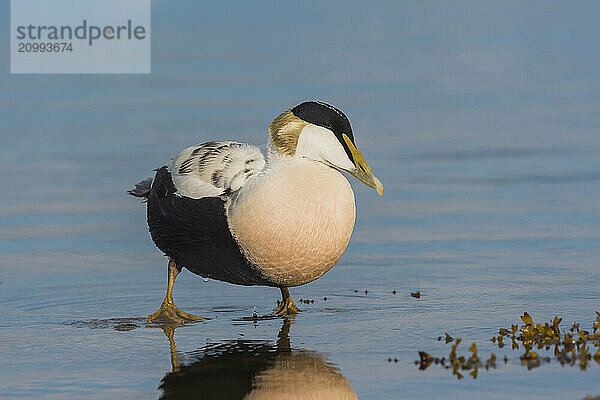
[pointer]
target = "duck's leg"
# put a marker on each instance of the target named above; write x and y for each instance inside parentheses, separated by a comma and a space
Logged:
(168, 312)
(287, 305)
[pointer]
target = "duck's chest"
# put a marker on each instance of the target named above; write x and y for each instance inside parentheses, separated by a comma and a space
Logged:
(294, 223)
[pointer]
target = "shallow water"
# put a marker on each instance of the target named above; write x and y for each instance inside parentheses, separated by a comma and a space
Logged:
(487, 145)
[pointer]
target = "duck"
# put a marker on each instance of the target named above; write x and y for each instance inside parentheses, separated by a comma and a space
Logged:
(225, 211)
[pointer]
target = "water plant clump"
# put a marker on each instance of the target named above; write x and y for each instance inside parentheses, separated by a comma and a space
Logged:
(572, 346)
(458, 363)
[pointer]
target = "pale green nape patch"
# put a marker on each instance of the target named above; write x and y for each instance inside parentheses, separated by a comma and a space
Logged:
(284, 132)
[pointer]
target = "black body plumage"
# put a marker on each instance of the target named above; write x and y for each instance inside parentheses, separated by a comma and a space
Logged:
(195, 233)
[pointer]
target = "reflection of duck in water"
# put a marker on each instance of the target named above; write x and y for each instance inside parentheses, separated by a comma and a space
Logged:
(253, 370)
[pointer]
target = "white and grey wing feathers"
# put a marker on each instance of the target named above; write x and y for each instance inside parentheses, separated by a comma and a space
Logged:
(215, 168)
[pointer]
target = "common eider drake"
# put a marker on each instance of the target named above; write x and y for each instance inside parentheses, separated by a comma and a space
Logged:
(224, 212)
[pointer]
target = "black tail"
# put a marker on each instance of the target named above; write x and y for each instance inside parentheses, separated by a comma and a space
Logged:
(142, 188)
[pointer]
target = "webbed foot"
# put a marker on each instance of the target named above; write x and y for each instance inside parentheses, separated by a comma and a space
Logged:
(169, 313)
(286, 306)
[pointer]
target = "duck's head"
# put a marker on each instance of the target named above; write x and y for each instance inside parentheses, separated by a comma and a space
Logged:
(320, 132)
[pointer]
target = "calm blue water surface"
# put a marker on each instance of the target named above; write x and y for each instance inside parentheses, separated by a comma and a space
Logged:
(481, 118)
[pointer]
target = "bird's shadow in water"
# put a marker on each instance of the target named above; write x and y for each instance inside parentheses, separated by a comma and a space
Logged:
(252, 369)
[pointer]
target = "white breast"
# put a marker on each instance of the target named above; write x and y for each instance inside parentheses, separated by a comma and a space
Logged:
(294, 221)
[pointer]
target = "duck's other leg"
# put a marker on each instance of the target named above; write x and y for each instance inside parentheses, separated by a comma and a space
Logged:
(287, 305)
(168, 312)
